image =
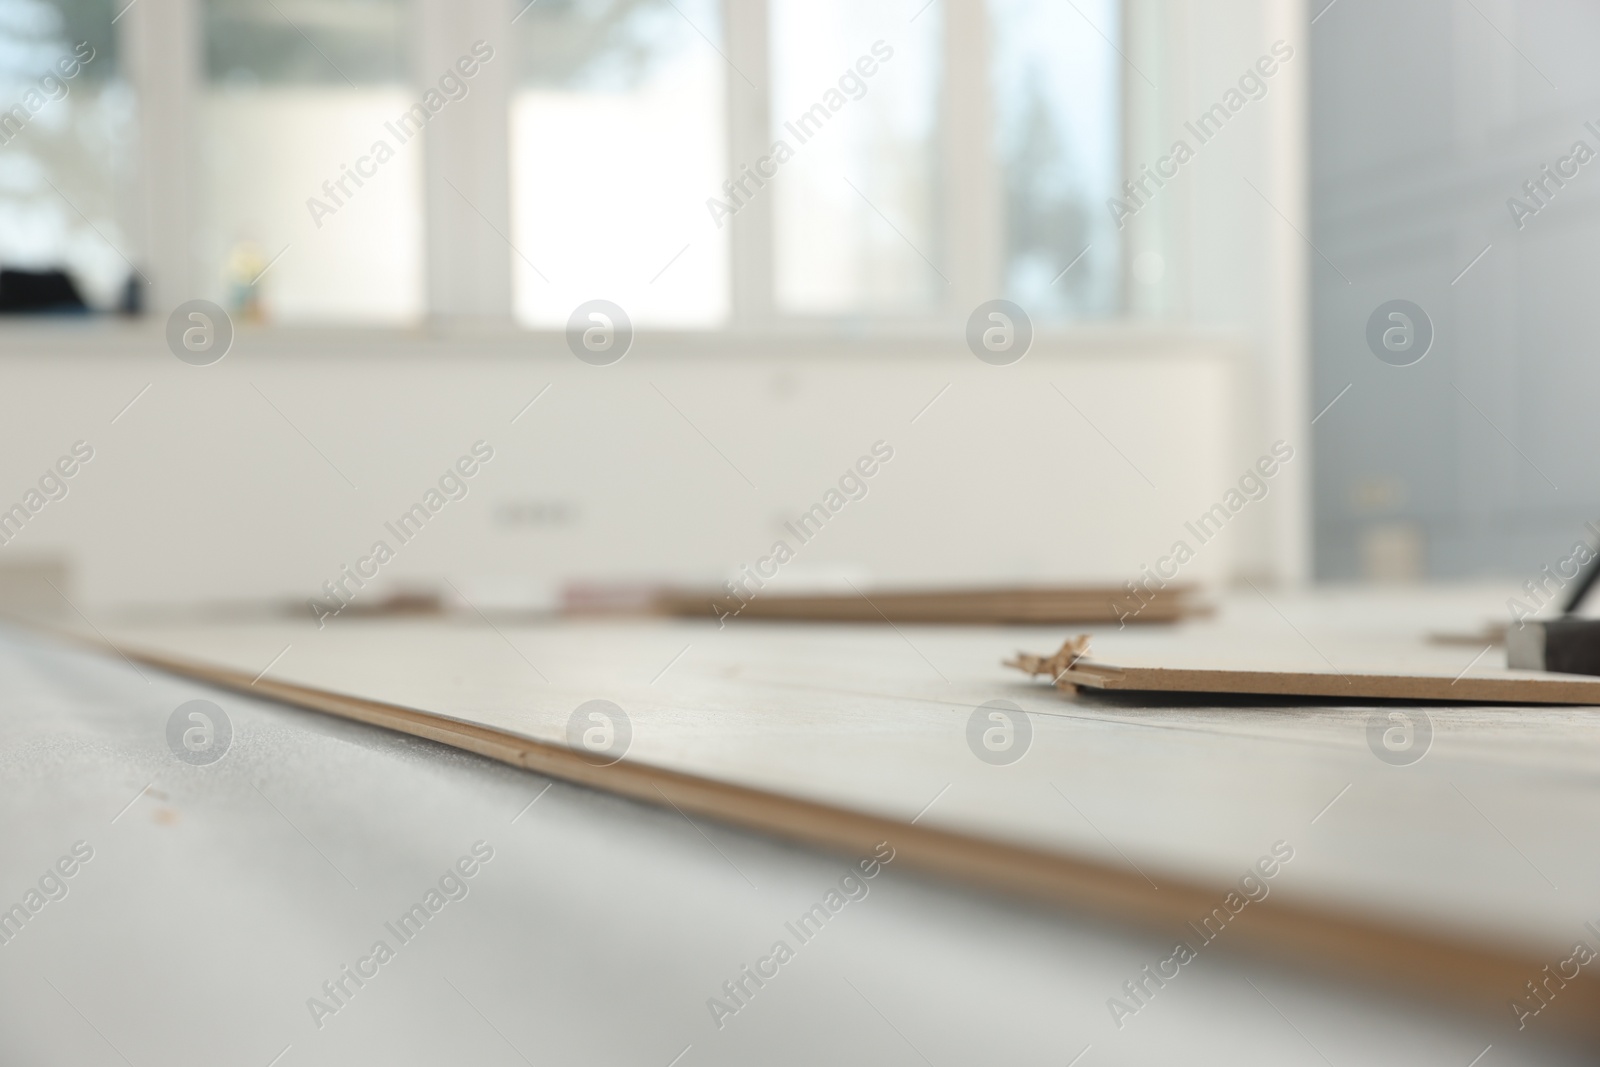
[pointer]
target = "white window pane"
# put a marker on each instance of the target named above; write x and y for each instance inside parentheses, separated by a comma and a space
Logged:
(855, 206)
(1058, 111)
(67, 144)
(297, 94)
(616, 142)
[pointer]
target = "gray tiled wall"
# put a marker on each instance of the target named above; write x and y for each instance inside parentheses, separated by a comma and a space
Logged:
(1426, 116)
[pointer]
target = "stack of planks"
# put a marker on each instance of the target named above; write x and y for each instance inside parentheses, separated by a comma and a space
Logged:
(1018, 606)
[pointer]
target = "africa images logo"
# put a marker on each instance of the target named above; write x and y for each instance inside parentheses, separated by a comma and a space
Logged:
(199, 332)
(199, 732)
(999, 332)
(1400, 738)
(999, 733)
(1399, 333)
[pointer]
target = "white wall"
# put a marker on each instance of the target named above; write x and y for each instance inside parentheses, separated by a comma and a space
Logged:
(203, 492)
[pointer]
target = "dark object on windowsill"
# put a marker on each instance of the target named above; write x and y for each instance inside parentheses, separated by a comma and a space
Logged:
(46, 292)
(131, 302)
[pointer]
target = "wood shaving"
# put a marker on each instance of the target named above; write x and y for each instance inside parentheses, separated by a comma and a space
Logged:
(1056, 666)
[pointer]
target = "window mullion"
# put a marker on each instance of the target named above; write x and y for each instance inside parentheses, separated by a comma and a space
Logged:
(162, 43)
(466, 170)
(973, 209)
(750, 252)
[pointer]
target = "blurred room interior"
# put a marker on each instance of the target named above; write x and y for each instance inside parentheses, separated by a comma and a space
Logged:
(285, 280)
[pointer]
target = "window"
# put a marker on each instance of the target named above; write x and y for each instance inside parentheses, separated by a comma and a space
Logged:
(1058, 143)
(699, 162)
(856, 222)
(66, 146)
(616, 140)
(297, 93)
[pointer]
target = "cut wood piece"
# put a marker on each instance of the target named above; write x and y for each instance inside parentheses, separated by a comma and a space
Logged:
(1070, 668)
(1018, 606)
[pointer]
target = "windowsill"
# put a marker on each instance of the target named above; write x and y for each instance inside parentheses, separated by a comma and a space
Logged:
(26, 337)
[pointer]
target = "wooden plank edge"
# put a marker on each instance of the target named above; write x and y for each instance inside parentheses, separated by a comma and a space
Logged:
(1457, 975)
(1555, 690)
(756, 609)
